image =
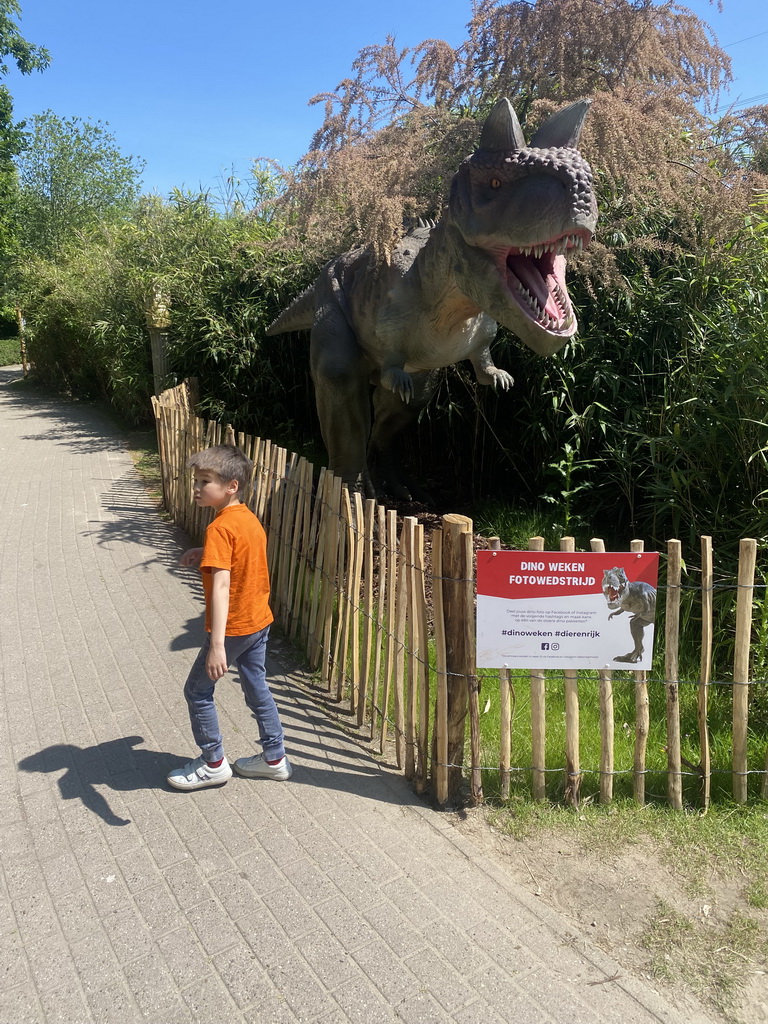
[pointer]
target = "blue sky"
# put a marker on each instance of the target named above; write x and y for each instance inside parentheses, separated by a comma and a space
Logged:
(198, 89)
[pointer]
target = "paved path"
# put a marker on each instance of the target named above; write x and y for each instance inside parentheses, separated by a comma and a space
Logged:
(336, 897)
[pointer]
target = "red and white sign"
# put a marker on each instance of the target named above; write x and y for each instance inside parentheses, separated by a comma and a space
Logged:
(555, 609)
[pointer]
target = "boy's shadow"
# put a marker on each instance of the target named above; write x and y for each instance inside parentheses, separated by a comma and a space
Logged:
(113, 763)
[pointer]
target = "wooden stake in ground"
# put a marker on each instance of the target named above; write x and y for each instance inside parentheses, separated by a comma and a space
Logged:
(571, 687)
(705, 673)
(473, 682)
(458, 607)
(368, 570)
(411, 690)
(401, 591)
(747, 558)
(391, 619)
(440, 733)
(423, 663)
(538, 716)
(606, 718)
(381, 607)
(674, 762)
(642, 718)
(505, 714)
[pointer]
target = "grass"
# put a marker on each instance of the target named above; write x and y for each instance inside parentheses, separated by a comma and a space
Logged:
(720, 729)
(10, 353)
(716, 860)
(142, 447)
(728, 839)
(716, 961)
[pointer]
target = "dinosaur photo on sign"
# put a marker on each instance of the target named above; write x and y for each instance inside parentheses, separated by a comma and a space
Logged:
(496, 256)
(635, 597)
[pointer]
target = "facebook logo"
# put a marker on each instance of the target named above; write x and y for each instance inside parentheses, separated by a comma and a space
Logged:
(545, 647)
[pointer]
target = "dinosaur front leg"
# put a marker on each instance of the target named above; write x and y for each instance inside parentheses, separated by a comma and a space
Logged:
(487, 372)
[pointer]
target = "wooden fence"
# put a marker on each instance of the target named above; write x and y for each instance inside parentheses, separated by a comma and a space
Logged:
(386, 616)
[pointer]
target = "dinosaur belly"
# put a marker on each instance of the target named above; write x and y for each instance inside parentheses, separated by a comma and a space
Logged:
(430, 349)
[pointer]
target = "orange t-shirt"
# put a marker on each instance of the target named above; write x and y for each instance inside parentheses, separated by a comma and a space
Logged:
(235, 540)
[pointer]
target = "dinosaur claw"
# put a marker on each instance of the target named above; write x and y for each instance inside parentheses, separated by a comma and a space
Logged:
(399, 383)
(502, 381)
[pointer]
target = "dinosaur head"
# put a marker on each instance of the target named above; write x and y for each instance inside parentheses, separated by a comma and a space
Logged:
(614, 585)
(516, 211)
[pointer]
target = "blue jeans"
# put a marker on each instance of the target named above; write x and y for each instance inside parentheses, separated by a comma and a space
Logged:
(249, 654)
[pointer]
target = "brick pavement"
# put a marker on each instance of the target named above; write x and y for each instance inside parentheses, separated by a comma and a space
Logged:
(336, 897)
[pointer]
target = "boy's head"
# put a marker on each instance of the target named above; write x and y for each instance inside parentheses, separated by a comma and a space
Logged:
(226, 461)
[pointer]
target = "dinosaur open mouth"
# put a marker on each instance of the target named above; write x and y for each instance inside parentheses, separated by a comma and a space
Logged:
(535, 277)
(612, 593)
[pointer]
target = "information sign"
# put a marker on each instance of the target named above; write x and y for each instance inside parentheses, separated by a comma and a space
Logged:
(555, 609)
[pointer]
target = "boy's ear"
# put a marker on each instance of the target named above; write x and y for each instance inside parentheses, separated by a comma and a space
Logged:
(233, 486)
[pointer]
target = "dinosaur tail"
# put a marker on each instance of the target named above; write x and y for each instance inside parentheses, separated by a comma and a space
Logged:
(296, 317)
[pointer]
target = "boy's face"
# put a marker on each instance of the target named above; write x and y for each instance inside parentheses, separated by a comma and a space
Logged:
(210, 491)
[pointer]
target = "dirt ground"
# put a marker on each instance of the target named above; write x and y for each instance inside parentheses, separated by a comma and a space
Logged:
(618, 898)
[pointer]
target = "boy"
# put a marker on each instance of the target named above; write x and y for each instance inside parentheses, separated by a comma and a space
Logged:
(237, 619)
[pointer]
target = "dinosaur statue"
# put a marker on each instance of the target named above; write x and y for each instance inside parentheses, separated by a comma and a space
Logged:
(496, 256)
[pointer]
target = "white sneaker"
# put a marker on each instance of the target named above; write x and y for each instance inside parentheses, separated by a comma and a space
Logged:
(197, 775)
(257, 768)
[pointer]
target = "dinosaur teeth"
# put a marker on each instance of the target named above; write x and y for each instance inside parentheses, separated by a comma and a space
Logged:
(560, 296)
(560, 247)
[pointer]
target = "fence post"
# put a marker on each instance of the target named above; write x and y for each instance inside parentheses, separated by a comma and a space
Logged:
(391, 621)
(642, 718)
(401, 597)
(571, 688)
(423, 664)
(607, 726)
(368, 570)
(330, 582)
(440, 731)
(671, 671)
(410, 709)
(505, 714)
(473, 681)
(538, 716)
(458, 609)
(380, 639)
(706, 668)
(747, 558)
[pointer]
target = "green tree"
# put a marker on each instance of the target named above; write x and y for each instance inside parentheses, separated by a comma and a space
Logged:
(72, 178)
(27, 58)
(224, 279)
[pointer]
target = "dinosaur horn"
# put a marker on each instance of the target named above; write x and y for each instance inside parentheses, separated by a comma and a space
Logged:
(562, 130)
(502, 132)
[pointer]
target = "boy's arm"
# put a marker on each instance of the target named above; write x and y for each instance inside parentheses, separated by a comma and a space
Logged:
(191, 556)
(216, 662)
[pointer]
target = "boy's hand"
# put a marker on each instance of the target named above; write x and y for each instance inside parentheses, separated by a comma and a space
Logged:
(191, 556)
(216, 662)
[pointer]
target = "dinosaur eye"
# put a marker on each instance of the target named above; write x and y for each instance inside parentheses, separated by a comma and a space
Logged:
(495, 183)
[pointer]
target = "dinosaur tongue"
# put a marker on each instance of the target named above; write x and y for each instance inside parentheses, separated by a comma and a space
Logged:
(536, 274)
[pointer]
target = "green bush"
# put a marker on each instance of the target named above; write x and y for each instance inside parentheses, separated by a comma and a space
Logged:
(224, 279)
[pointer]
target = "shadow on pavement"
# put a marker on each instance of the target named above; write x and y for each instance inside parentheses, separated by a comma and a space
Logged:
(114, 763)
(124, 767)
